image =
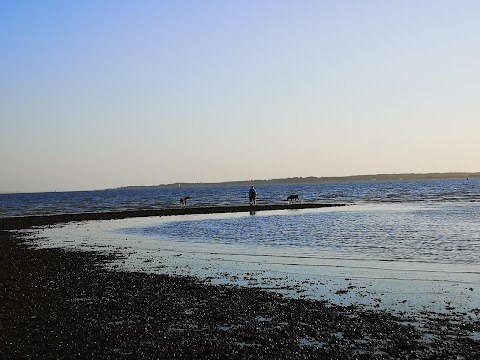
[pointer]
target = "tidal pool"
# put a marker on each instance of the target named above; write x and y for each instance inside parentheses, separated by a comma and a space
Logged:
(404, 258)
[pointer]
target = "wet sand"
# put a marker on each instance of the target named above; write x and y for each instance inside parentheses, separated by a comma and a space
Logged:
(65, 304)
(22, 222)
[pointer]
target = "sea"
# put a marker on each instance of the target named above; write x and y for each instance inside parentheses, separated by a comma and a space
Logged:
(404, 245)
(371, 192)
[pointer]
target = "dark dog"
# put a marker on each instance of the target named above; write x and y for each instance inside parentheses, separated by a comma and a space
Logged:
(291, 198)
(183, 200)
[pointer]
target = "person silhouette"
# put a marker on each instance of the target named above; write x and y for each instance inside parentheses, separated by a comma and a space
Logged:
(252, 195)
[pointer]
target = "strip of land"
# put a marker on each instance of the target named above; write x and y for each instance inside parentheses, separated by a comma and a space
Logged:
(325, 179)
(23, 222)
(63, 304)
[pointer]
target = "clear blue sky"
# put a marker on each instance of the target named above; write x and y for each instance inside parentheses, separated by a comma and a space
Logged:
(100, 94)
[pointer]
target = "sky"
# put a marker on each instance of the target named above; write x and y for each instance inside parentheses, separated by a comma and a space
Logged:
(102, 94)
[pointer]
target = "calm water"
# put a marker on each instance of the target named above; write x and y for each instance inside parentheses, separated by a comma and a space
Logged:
(405, 245)
(435, 233)
(350, 193)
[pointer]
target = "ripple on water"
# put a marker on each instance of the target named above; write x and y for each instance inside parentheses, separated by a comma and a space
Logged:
(443, 233)
(402, 256)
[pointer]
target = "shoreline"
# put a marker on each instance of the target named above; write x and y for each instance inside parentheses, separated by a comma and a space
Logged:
(22, 222)
(66, 304)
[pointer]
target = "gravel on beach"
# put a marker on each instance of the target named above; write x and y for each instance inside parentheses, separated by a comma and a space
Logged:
(65, 304)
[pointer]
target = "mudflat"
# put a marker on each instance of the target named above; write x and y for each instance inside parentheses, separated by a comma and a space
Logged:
(22, 222)
(65, 304)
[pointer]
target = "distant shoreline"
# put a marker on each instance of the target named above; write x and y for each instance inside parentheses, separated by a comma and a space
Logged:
(283, 181)
(313, 180)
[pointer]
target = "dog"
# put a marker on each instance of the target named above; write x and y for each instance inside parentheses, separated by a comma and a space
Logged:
(183, 200)
(292, 198)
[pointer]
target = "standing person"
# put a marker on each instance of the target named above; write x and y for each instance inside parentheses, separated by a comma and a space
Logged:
(252, 195)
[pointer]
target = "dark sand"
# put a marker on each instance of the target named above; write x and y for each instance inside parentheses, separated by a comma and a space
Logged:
(23, 222)
(59, 304)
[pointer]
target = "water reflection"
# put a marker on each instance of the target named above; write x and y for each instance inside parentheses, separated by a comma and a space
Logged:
(403, 257)
(447, 233)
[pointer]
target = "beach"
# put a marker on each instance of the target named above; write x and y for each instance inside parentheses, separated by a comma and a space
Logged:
(68, 304)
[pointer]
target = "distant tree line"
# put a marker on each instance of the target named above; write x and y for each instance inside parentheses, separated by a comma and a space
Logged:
(313, 180)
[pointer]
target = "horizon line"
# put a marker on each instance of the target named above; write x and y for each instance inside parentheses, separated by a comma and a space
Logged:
(292, 180)
(419, 176)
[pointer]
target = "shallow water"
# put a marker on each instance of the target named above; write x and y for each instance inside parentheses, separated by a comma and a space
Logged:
(404, 257)
(441, 233)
